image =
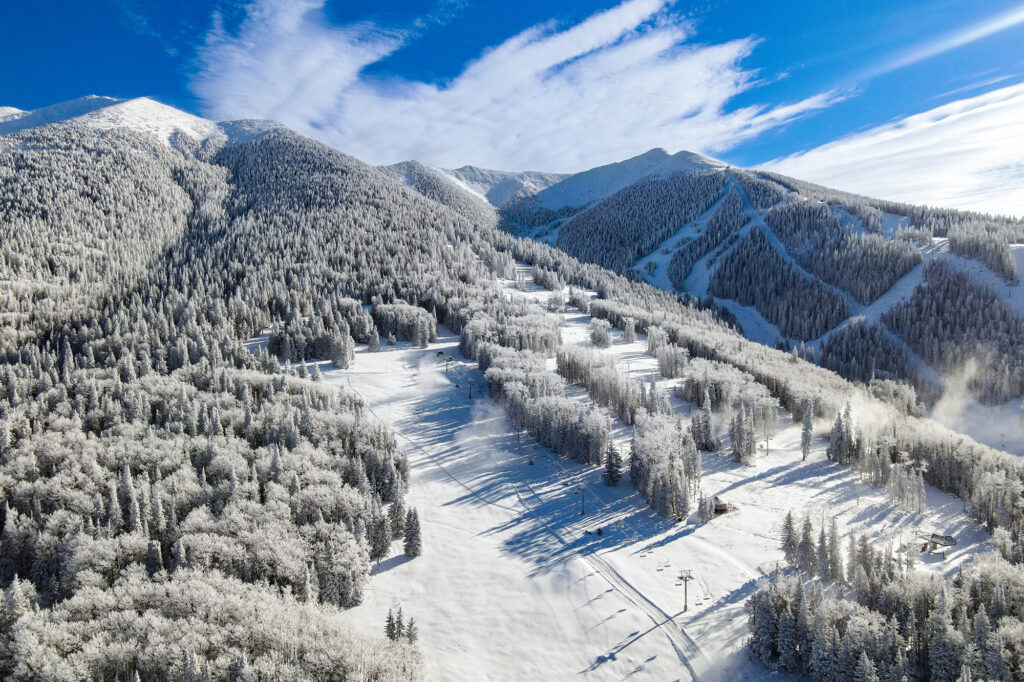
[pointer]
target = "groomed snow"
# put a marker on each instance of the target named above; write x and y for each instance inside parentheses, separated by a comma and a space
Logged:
(511, 585)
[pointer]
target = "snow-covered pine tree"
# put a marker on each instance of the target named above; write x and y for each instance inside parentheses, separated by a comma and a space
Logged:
(412, 633)
(806, 433)
(790, 540)
(612, 466)
(413, 545)
(823, 564)
(835, 554)
(807, 559)
(396, 518)
(380, 538)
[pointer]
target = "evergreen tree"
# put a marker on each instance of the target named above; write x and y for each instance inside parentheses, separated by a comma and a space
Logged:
(835, 554)
(865, 671)
(413, 541)
(396, 518)
(996, 666)
(154, 560)
(789, 643)
(823, 565)
(806, 433)
(836, 450)
(178, 559)
(389, 625)
(380, 539)
(115, 518)
(790, 539)
(943, 662)
(807, 559)
(412, 633)
(612, 466)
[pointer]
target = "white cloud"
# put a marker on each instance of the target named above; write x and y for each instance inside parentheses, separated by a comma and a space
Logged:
(966, 154)
(950, 41)
(550, 98)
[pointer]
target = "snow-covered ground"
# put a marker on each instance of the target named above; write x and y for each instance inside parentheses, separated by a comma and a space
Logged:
(511, 585)
(597, 183)
(141, 113)
(505, 588)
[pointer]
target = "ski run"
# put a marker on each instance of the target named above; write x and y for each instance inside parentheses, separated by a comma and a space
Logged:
(516, 583)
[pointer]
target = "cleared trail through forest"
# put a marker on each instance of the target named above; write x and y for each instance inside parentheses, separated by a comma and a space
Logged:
(685, 648)
(506, 573)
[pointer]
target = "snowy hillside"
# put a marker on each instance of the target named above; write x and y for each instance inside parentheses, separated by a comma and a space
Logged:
(501, 505)
(271, 412)
(498, 187)
(141, 114)
(794, 265)
(445, 188)
(585, 187)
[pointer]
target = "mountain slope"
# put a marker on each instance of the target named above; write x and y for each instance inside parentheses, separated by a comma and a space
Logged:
(500, 187)
(191, 483)
(141, 114)
(445, 188)
(852, 256)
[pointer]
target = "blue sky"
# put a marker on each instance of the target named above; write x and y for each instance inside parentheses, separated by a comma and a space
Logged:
(823, 90)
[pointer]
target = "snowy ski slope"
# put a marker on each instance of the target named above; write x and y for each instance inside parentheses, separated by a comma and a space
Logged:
(512, 586)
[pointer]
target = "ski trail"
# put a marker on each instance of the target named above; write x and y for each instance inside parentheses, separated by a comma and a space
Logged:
(429, 454)
(684, 646)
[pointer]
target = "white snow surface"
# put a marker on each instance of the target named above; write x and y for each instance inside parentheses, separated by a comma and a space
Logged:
(999, 426)
(499, 187)
(597, 183)
(142, 114)
(511, 586)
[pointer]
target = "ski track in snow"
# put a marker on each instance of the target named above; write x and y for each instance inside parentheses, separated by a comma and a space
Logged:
(999, 426)
(512, 585)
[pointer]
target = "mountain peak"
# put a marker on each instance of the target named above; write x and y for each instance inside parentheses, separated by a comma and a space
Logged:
(594, 184)
(142, 114)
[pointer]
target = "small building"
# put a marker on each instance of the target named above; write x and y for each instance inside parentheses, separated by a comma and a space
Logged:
(721, 506)
(942, 540)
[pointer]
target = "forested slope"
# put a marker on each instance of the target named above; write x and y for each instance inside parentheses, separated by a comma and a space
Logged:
(153, 468)
(824, 258)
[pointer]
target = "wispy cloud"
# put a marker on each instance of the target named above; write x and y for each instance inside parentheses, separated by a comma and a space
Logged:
(965, 154)
(947, 42)
(550, 98)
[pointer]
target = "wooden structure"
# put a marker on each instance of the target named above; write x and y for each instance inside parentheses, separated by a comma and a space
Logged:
(721, 506)
(942, 540)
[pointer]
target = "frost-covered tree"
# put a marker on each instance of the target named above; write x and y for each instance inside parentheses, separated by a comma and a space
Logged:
(612, 466)
(413, 545)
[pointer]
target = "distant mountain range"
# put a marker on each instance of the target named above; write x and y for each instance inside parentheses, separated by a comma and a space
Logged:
(846, 281)
(832, 274)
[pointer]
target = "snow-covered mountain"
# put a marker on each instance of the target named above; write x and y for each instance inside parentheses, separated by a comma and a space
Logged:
(598, 183)
(261, 402)
(840, 277)
(141, 114)
(444, 187)
(500, 187)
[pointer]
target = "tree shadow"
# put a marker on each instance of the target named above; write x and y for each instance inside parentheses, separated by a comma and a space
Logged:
(389, 563)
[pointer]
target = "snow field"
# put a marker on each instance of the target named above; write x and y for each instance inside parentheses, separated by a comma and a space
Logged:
(514, 583)
(502, 590)
(731, 552)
